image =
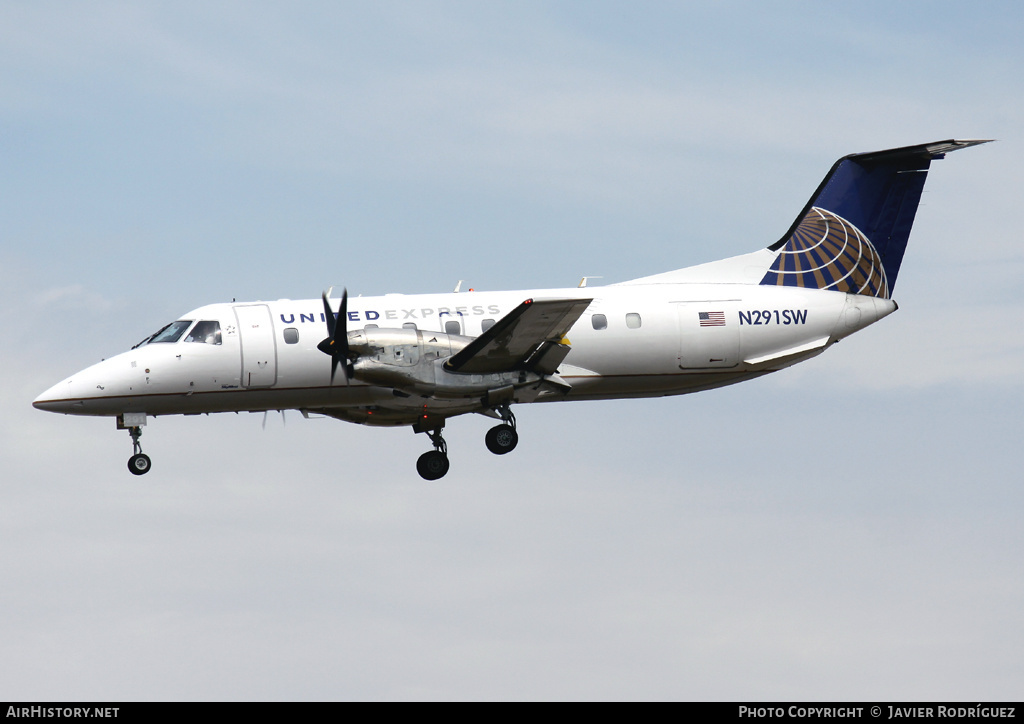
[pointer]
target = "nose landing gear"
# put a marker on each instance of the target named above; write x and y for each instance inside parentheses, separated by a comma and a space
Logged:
(139, 463)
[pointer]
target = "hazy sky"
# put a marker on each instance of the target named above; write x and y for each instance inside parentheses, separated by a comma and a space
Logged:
(847, 529)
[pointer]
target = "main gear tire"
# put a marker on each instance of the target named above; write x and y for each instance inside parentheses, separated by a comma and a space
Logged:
(432, 465)
(501, 439)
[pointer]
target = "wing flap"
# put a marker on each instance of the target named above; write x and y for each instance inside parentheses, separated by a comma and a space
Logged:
(529, 337)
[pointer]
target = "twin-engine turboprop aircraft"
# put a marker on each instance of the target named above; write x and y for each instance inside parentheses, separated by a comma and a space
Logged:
(419, 360)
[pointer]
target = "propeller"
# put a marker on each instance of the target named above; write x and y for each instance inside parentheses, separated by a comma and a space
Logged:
(336, 344)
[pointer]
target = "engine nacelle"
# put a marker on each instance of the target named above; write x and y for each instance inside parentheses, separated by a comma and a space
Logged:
(412, 360)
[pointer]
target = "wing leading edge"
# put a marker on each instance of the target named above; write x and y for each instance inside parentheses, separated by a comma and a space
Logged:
(530, 337)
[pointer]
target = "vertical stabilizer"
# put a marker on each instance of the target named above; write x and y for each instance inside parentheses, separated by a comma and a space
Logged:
(852, 234)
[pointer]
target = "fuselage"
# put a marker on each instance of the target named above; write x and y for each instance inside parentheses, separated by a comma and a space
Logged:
(634, 340)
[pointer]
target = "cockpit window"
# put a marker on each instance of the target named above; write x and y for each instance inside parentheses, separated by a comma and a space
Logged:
(171, 333)
(204, 333)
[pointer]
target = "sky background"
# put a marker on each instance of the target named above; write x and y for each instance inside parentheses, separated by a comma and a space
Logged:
(846, 529)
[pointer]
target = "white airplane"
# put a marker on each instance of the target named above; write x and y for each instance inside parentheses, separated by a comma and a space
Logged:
(419, 360)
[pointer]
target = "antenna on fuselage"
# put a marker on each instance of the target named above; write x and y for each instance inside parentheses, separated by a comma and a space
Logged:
(583, 281)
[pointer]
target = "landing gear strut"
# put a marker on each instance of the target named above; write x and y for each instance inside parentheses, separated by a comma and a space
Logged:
(139, 463)
(434, 463)
(503, 438)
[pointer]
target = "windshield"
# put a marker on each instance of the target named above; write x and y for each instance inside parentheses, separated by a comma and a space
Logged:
(205, 332)
(171, 333)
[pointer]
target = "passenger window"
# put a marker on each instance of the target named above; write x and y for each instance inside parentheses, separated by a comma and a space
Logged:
(599, 321)
(291, 336)
(452, 327)
(205, 333)
(633, 320)
(486, 324)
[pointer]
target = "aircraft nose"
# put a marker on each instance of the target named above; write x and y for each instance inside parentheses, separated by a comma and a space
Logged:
(58, 398)
(74, 394)
(96, 390)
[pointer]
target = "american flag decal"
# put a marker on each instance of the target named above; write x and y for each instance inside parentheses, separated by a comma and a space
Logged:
(712, 319)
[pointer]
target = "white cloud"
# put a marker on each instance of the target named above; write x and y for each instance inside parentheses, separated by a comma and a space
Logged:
(73, 296)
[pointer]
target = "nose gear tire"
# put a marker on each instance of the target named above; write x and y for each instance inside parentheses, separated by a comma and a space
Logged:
(139, 464)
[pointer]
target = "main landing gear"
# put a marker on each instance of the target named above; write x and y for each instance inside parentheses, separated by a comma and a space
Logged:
(139, 463)
(503, 438)
(500, 439)
(434, 463)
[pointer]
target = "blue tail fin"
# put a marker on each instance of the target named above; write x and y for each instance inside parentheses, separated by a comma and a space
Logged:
(852, 234)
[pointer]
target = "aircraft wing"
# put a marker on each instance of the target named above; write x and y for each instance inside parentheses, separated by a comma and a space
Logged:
(531, 336)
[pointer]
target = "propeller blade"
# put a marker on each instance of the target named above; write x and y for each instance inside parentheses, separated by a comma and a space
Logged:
(336, 343)
(329, 315)
(341, 329)
(341, 336)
